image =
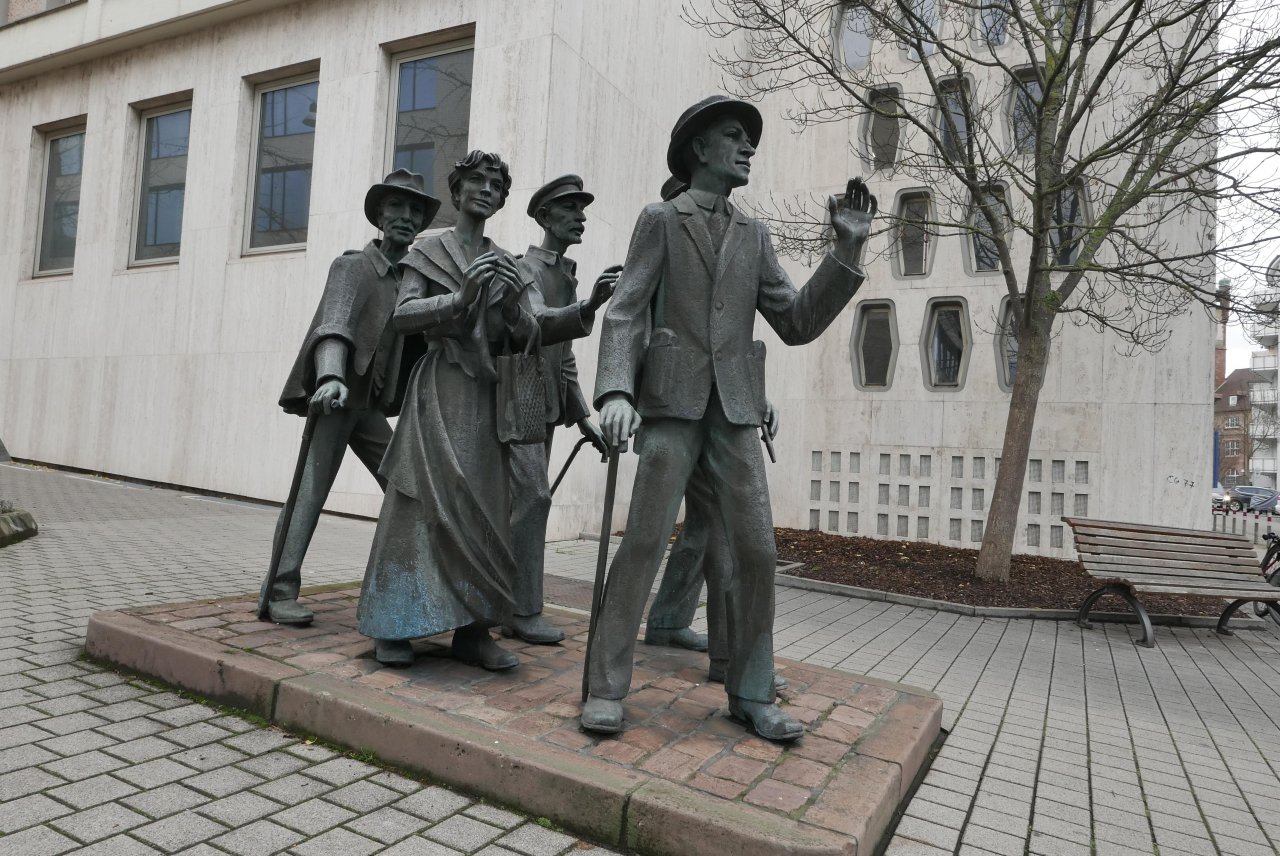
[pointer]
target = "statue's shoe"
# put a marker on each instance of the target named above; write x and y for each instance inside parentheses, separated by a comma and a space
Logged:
(475, 647)
(534, 629)
(715, 675)
(766, 720)
(393, 652)
(678, 637)
(602, 715)
(289, 612)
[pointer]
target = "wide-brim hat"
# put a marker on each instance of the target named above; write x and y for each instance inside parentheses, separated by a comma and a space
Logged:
(401, 181)
(559, 188)
(698, 116)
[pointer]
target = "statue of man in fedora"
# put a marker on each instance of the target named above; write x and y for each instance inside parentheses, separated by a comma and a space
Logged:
(676, 353)
(350, 372)
(559, 207)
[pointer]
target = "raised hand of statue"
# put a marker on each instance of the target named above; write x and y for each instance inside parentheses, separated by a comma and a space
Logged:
(851, 216)
(594, 436)
(331, 396)
(618, 419)
(475, 277)
(603, 289)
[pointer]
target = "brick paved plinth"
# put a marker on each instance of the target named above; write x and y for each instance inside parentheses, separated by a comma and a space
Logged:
(682, 778)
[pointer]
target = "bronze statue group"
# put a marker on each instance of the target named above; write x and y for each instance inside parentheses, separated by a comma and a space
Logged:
(471, 348)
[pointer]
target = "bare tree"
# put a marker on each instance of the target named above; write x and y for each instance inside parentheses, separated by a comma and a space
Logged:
(1091, 152)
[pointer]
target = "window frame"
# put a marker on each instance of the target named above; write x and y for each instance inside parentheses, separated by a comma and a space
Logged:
(961, 88)
(47, 140)
(894, 92)
(899, 261)
(855, 341)
(839, 25)
(1052, 253)
(979, 24)
(1003, 380)
(926, 343)
(393, 103)
(971, 251)
(1232, 421)
(251, 197)
(1027, 74)
(144, 116)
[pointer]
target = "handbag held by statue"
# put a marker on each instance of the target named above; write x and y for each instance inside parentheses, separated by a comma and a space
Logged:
(522, 394)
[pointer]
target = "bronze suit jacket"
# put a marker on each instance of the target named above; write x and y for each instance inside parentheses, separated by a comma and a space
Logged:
(359, 297)
(683, 316)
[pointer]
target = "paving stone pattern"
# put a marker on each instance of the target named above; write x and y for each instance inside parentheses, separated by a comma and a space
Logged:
(1064, 741)
(94, 762)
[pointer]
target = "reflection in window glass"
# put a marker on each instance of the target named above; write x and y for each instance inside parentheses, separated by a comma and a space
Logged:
(853, 36)
(61, 204)
(1067, 229)
(913, 233)
(286, 141)
(1026, 101)
(953, 134)
(433, 111)
(985, 255)
(922, 21)
(885, 129)
(946, 344)
(993, 22)
(163, 188)
(875, 345)
(1007, 344)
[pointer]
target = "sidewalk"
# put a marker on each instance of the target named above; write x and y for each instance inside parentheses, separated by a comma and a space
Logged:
(1064, 741)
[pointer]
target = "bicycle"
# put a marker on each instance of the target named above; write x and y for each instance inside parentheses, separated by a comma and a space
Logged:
(1270, 565)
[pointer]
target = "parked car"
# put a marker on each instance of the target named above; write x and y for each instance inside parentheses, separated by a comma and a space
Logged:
(1250, 498)
(1219, 499)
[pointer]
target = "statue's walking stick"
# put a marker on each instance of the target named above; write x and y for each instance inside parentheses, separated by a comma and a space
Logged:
(602, 561)
(286, 519)
(565, 469)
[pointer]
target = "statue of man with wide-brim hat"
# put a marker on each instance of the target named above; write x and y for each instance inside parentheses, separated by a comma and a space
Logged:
(350, 373)
(678, 363)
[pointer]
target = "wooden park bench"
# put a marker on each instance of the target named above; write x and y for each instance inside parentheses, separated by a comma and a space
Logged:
(1134, 558)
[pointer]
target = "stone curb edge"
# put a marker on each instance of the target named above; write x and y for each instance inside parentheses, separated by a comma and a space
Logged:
(1238, 622)
(616, 806)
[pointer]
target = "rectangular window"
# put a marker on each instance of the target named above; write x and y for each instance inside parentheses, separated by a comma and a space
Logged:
(833, 491)
(1231, 447)
(979, 499)
(904, 526)
(957, 497)
(285, 135)
(833, 521)
(953, 529)
(815, 491)
(851, 522)
(1067, 229)
(816, 460)
(1034, 469)
(882, 494)
(855, 462)
(432, 118)
(835, 462)
(1033, 534)
(1080, 503)
(853, 492)
(924, 496)
(1082, 472)
(882, 524)
(1055, 536)
(1059, 472)
(884, 465)
(975, 531)
(904, 494)
(1056, 504)
(904, 465)
(1033, 502)
(926, 466)
(1231, 421)
(914, 233)
(957, 466)
(922, 527)
(1232, 400)
(979, 468)
(993, 22)
(60, 204)
(163, 185)
(814, 517)
(985, 230)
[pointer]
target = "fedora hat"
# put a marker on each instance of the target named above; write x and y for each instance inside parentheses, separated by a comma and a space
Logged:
(698, 116)
(558, 188)
(401, 181)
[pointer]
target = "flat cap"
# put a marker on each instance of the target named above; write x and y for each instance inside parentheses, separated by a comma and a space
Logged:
(558, 188)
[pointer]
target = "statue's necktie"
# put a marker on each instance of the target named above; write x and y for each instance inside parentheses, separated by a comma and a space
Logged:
(718, 223)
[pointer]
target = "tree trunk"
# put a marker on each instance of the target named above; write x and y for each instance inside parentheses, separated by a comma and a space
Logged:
(1002, 518)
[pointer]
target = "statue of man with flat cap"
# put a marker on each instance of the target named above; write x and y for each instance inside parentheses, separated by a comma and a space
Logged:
(351, 371)
(550, 277)
(676, 352)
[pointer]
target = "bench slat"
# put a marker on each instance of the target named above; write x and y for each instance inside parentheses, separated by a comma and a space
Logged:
(1140, 564)
(1165, 545)
(1125, 572)
(1138, 553)
(1227, 592)
(1194, 583)
(1079, 523)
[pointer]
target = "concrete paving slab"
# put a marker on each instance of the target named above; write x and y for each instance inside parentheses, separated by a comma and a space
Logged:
(681, 778)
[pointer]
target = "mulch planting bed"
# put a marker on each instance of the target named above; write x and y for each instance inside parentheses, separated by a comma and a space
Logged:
(946, 573)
